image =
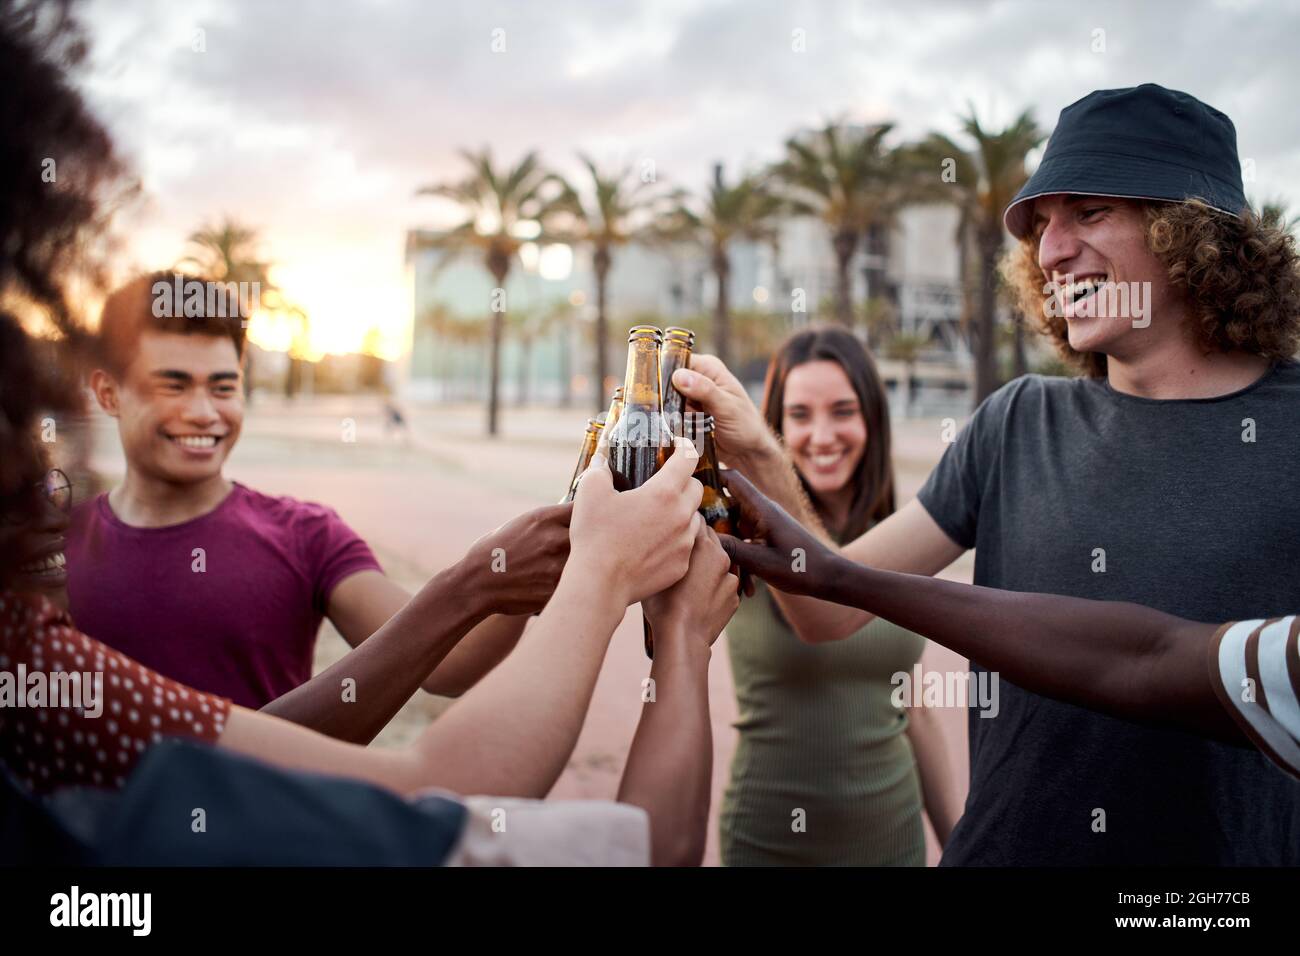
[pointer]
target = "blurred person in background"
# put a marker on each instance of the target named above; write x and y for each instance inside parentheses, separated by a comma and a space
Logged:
(818, 730)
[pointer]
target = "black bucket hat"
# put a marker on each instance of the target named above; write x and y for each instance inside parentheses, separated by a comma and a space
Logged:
(1143, 142)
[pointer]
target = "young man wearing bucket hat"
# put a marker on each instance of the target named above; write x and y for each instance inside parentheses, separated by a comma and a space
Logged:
(1164, 475)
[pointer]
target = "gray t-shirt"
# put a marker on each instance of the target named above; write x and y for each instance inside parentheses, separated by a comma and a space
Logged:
(1190, 506)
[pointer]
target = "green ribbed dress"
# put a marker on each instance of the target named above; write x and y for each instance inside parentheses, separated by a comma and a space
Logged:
(818, 733)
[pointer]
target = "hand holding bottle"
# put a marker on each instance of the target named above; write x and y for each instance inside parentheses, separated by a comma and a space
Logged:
(698, 606)
(772, 545)
(741, 433)
(636, 542)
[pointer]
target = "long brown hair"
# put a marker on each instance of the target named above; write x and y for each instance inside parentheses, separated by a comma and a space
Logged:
(873, 481)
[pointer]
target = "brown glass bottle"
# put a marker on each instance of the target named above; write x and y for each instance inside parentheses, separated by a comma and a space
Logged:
(589, 442)
(675, 354)
(640, 441)
(718, 508)
(615, 408)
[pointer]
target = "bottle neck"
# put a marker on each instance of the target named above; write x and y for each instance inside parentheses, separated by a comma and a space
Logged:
(709, 460)
(676, 355)
(706, 469)
(641, 383)
(589, 443)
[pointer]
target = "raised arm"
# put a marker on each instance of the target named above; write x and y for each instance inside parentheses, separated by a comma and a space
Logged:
(512, 734)
(526, 556)
(1123, 659)
(486, 645)
(908, 540)
(670, 765)
(355, 698)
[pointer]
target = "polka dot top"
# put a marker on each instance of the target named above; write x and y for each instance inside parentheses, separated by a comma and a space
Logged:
(74, 712)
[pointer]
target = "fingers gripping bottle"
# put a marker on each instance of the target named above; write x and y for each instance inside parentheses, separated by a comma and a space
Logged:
(589, 442)
(640, 441)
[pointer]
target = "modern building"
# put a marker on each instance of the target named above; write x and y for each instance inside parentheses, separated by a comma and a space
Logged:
(549, 297)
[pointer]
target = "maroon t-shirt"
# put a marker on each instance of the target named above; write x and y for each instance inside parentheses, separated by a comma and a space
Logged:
(228, 603)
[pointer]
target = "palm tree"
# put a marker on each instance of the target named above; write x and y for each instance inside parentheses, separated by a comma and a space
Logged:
(746, 210)
(847, 177)
(505, 208)
(301, 339)
(622, 207)
(981, 181)
(1276, 212)
(227, 252)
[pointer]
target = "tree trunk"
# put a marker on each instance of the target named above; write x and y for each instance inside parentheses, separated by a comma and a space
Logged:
(566, 359)
(1021, 359)
(984, 331)
(722, 308)
(600, 263)
(845, 243)
(499, 273)
(248, 371)
(525, 360)
(292, 376)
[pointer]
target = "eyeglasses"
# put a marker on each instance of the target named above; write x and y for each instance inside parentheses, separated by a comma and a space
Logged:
(57, 489)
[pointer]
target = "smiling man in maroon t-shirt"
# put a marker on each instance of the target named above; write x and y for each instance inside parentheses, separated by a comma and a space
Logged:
(199, 577)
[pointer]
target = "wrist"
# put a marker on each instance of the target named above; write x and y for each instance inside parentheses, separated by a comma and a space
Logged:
(842, 574)
(594, 584)
(458, 595)
(679, 646)
(762, 458)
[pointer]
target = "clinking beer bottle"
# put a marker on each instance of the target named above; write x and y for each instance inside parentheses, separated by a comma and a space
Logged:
(676, 353)
(615, 408)
(640, 441)
(719, 510)
(589, 442)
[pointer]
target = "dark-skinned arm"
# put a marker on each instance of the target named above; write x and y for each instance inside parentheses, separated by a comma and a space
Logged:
(1122, 659)
(511, 571)
(483, 648)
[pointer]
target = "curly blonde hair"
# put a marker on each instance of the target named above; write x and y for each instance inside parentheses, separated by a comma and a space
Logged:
(1240, 275)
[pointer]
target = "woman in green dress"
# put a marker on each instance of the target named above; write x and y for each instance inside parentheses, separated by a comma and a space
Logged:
(827, 770)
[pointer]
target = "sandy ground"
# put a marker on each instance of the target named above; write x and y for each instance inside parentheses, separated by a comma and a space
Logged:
(421, 499)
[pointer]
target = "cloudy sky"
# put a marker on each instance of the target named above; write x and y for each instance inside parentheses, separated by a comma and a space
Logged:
(316, 122)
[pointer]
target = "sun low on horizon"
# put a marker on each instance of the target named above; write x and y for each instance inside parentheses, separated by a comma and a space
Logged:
(351, 306)
(333, 295)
